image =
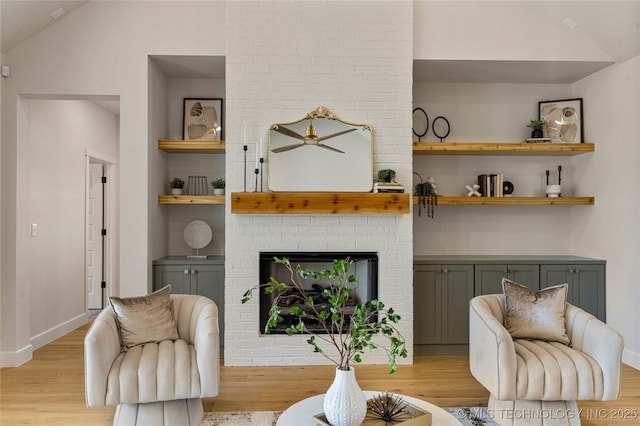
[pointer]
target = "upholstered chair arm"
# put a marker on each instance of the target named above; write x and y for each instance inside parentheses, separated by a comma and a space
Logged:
(197, 319)
(492, 354)
(599, 341)
(101, 348)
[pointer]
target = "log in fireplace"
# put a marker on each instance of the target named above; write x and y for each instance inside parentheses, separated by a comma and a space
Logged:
(365, 269)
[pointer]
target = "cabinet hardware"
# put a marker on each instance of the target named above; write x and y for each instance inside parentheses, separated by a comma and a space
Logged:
(194, 271)
(445, 271)
(505, 271)
(577, 271)
(186, 272)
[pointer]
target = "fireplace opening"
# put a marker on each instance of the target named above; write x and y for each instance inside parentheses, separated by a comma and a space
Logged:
(364, 268)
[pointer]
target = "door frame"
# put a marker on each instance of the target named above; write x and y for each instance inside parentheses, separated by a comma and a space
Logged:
(109, 222)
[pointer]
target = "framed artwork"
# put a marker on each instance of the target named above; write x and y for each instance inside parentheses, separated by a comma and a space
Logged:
(564, 120)
(202, 119)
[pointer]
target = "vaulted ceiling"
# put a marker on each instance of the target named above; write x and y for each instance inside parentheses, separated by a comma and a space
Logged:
(613, 26)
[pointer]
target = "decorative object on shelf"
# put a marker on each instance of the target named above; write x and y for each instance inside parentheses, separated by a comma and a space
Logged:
(389, 187)
(218, 186)
(176, 184)
(507, 188)
(197, 235)
(491, 184)
(473, 190)
(564, 120)
(553, 190)
(537, 129)
(320, 153)
(420, 123)
(428, 195)
(386, 175)
(441, 128)
(351, 335)
(197, 185)
(202, 119)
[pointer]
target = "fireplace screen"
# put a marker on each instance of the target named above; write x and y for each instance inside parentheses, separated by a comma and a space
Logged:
(364, 268)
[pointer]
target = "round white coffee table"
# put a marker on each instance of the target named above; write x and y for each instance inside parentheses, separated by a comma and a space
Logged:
(301, 413)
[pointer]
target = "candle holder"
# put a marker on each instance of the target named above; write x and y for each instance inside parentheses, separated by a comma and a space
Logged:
(244, 148)
(261, 174)
(256, 171)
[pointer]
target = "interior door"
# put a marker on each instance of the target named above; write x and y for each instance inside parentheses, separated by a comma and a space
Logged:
(95, 217)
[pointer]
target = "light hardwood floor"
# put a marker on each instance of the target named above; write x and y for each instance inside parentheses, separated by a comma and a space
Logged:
(49, 390)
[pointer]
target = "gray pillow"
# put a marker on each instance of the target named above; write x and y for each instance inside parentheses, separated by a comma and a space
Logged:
(535, 315)
(145, 319)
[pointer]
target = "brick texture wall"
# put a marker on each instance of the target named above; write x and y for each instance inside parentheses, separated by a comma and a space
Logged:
(285, 59)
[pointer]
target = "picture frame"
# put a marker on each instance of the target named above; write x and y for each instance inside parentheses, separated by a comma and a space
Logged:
(202, 119)
(565, 123)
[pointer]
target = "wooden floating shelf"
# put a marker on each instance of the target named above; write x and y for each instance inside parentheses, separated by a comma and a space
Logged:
(513, 201)
(192, 147)
(500, 148)
(190, 199)
(319, 203)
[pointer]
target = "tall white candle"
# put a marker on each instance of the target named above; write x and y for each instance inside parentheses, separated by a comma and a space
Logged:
(261, 156)
(245, 133)
(257, 154)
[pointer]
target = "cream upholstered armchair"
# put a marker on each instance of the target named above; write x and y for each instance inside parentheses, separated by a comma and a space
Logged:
(154, 383)
(537, 382)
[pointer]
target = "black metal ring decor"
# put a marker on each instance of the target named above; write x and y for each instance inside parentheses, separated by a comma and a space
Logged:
(441, 136)
(426, 129)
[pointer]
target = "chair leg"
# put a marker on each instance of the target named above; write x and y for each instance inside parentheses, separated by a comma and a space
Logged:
(534, 413)
(181, 412)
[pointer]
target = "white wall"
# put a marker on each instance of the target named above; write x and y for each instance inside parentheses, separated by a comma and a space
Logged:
(54, 173)
(354, 59)
(610, 229)
(491, 112)
(105, 60)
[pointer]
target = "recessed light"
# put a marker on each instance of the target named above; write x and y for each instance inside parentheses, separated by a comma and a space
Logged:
(57, 13)
(570, 23)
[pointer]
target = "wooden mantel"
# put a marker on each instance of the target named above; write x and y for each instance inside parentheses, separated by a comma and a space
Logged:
(319, 203)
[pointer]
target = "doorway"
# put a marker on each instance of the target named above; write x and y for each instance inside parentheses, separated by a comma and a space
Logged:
(98, 230)
(95, 243)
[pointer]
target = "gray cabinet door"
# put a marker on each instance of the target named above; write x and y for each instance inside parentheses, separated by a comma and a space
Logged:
(427, 296)
(178, 276)
(457, 291)
(488, 278)
(208, 281)
(586, 285)
(441, 303)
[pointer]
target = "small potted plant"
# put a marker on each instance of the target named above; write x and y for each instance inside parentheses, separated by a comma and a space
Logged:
(218, 186)
(176, 184)
(537, 127)
(346, 327)
(386, 175)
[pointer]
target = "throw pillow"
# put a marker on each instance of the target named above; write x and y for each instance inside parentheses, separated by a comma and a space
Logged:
(535, 314)
(145, 319)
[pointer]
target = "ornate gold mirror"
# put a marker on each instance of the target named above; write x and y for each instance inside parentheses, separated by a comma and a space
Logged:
(322, 153)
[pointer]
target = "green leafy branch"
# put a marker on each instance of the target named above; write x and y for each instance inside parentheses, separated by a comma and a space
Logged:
(351, 334)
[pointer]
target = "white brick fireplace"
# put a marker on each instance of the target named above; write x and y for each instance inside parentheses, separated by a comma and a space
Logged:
(285, 59)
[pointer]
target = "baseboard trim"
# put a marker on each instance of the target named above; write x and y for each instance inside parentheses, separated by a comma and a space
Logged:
(58, 331)
(632, 359)
(16, 359)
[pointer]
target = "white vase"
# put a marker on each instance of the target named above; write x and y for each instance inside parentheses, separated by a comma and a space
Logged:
(218, 191)
(176, 191)
(344, 402)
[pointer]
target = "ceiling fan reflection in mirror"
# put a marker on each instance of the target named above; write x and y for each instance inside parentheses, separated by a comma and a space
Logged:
(311, 138)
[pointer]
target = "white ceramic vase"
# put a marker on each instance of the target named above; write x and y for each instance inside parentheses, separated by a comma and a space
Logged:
(176, 191)
(344, 402)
